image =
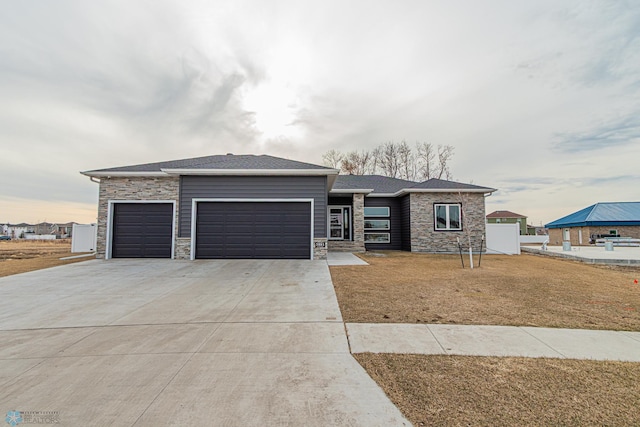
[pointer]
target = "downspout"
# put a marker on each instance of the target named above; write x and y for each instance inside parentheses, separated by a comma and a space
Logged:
(93, 179)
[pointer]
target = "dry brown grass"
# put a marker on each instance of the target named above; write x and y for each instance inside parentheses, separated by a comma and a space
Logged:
(20, 256)
(492, 391)
(530, 290)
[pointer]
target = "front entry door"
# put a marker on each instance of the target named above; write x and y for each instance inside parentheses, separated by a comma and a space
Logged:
(340, 222)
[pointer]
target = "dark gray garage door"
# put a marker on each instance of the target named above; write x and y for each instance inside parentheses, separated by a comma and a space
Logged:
(142, 230)
(266, 230)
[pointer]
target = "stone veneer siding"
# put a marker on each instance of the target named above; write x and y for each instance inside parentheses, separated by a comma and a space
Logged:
(319, 252)
(132, 188)
(358, 221)
(183, 248)
(424, 238)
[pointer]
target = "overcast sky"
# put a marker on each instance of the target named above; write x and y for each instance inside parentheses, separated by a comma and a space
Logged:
(541, 99)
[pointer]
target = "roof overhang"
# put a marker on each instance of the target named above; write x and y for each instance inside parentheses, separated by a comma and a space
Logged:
(595, 224)
(443, 190)
(101, 174)
(351, 191)
(331, 174)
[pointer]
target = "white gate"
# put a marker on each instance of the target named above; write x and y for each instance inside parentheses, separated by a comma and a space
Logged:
(503, 239)
(83, 238)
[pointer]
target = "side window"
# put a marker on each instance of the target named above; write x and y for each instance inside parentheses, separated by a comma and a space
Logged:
(447, 216)
(376, 219)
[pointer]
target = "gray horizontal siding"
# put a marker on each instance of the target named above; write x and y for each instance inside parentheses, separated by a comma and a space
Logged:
(405, 206)
(395, 222)
(256, 187)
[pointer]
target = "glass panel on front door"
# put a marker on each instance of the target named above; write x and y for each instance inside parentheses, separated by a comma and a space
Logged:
(340, 223)
(336, 224)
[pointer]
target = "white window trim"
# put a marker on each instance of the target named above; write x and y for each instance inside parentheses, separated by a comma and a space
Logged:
(111, 203)
(377, 216)
(376, 241)
(435, 217)
(387, 228)
(194, 207)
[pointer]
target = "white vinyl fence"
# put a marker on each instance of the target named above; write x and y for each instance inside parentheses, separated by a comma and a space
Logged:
(503, 239)
(40, 236)
(83, 238)
(533, 240)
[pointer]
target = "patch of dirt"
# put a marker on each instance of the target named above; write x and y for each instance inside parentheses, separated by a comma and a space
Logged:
(492, 391)
(21, 256)
(524, 290)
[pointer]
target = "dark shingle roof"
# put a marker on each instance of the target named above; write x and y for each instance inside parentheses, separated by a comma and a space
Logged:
(441, 184)
(504, 214)
(603, 214)
(386, 185)
(379, 183)
(228, 161)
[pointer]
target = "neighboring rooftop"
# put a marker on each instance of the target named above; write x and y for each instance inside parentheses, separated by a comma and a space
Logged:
(601, 214)
(504, 214)
(225, 161)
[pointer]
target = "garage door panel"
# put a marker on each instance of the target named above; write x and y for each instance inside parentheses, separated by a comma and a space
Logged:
(263, 230)
(142, 230)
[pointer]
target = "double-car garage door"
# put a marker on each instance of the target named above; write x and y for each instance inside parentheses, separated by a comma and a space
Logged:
(263, 230)
(266, 230)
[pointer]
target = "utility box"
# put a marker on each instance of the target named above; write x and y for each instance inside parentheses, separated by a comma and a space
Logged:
(83, 238)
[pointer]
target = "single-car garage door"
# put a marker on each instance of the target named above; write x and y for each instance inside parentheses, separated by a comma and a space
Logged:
(142, 230)
(266, 230)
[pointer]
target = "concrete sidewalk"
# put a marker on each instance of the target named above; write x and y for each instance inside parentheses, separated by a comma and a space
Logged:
(344, 258)
(476, 340)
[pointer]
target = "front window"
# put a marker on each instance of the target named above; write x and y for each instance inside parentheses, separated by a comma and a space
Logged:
(376, 211)
(377, 238)
(447, 217)
(376, 224)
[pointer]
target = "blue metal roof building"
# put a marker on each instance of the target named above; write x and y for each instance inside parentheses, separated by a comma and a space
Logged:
(601, 214)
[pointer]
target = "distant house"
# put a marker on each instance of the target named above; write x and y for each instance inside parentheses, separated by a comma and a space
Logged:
(17, 231)
(535, 230)
(508, 217)
(621, 219)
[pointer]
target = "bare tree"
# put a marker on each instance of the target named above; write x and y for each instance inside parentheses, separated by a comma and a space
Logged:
(388, 160)
(425, 158)
(332, 158)
(406, 162)
(396, 160)
(357, 163)
(445, 153)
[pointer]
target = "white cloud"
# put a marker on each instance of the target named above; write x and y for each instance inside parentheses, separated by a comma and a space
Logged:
(539, 98)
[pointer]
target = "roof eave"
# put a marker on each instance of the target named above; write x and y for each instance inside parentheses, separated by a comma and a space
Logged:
(107, 174)
(351, 191)
(252, 172)
(444, 190)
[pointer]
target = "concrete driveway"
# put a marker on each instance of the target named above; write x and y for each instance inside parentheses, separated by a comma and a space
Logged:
(153, 342)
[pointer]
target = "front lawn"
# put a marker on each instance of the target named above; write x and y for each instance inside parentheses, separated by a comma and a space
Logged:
(494, 391)
(524, 290)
